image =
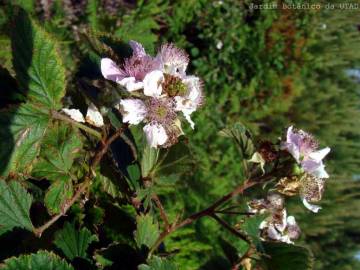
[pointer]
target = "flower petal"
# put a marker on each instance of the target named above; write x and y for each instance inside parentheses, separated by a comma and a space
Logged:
(155, 134)
(74, 114)
(138, 49)
(94, 117)
(152, 83)
(130, 84)
(134, 110)
(110, 70)
(320, 154)
(311, 207)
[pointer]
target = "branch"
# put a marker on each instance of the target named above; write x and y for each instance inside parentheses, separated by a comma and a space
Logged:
(209, 211)
(163, 215)
(85, 184)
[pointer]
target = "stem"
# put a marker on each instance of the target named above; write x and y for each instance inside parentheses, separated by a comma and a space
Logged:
(85, 184)
(59, 116)
(234, 213)
(230, 229)
(163, 215)
(209, 211)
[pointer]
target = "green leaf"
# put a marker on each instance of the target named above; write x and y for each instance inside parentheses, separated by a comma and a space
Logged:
(72, 242)
(285, 256)
(157, 263)
(147, 231)
(108, 186)
(42, 260)
(149, 158)
(242, 137)
(57, 194)
(21, 133)
(251, 227)
(15, 205)
(60, 147)
(38, 67)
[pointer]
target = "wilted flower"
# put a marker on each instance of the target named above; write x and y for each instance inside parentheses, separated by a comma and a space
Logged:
(309, 188)
(164, 87)
(277, 226)
(303, 147)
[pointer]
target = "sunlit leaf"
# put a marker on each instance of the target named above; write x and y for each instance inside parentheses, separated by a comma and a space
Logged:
(147, 231)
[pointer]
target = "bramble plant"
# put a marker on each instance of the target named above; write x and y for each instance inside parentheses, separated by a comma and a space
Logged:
(119, 138)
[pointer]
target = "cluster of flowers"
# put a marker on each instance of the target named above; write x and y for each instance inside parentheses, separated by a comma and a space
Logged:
(277, 226)
(160, 88)
(308, 183)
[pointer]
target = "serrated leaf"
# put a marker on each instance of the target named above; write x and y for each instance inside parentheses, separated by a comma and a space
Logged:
(21, 133)
(73, 242)
(147, 231)
(15, 205)
(108, 186)
(157, 263)
(251, 227)
(284, 257)
(59, 148)
(149, 158)
(42, 260)
(57, 194)
(242, 137)
(38, 67)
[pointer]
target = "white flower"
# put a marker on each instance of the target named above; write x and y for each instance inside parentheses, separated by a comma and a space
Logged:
(155, 134)
(134, 111)
(74, 114)
(303, 148)
(189, 103)
(174, 61)
(219, 45)
(112, 72)
(94, 117)
(152, 83)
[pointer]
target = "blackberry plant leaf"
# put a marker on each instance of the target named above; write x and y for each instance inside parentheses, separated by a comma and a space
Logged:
(22, 131)
(15, 205)
(42, 260)
(38, 67)
(73, 242)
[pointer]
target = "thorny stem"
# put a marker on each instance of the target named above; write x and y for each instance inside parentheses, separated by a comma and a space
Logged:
(209, 211)
(59, 116)
(85, 184)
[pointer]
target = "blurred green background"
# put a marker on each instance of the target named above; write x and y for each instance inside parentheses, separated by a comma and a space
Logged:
(267, 68)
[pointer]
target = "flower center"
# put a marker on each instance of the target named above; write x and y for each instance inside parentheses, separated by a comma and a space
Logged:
(161, 110)
(174, 86)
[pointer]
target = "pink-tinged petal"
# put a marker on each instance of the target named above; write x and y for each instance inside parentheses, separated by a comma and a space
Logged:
(74, 114)
(155, 134)
(315, 168)
(130, 84)
(311, 207)
(320, 154)
(174, 60)
(138, 49)
(110, 70)
(152, 83)
(134, 111)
